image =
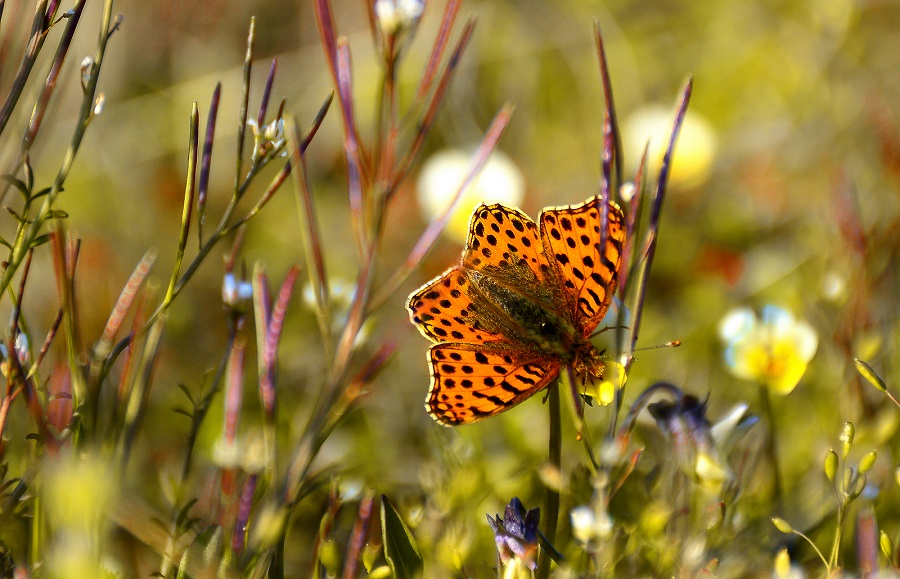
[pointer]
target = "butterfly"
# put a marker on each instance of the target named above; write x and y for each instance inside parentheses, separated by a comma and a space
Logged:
(521, 305)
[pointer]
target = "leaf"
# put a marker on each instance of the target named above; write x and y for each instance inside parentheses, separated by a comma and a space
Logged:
(183, 513)
(114, 355)
(180, 410)
(400, 549)
(41, 193)
(183, 387)
(15, 215)
(40, 240)
(204, 555)
(57, 214)
(19, 185)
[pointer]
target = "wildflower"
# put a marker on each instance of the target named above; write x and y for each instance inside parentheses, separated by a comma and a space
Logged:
(684, 422)
(396, 15)
(698, 444)
(604, 391)
(235, 292)
(774, 351)
(266, 138)
(87, 69)
(694, 152)
(783, 568)
(516, 535)
(588, 526)
(499, 181)
(23, 353)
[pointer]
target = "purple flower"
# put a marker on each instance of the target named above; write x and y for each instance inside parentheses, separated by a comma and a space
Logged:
(516, 534)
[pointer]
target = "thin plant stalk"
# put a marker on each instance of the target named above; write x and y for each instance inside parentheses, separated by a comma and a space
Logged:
(312, 241)
(551, 503)
(772, 448)
(85, 115)
(188, 208)
(431, 234)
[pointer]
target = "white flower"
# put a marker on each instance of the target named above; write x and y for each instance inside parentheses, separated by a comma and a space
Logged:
(234, 291)
(395, 15)
(587, 526)
(499, 181)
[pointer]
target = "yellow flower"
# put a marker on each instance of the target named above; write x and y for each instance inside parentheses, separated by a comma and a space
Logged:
(773, 351)
(604, 391)
(694, 150)
(499, 181)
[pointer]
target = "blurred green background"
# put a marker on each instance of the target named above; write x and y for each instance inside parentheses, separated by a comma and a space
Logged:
(800, 102)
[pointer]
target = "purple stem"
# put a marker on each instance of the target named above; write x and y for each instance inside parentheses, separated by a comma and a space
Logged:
(206, 160)
(267, 92)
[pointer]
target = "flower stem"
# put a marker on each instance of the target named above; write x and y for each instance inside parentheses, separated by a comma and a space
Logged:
(551, 506)
(772, 447)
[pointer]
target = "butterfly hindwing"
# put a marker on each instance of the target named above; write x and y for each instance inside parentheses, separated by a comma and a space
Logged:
(472, 382)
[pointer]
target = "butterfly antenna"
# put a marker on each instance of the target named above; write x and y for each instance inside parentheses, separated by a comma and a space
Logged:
(606, 329)
(670, 344)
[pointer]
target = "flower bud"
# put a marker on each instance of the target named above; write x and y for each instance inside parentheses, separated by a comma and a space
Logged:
(831, 464)
(869, 374)
(847, 481)
(330, 556)
(866, 462)
(859, 485)
(847, 438)
(887, 546)
(782, 525)
(782, 563)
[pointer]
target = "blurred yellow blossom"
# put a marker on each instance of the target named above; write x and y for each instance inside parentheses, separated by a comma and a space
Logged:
(604, 391)
(774, 350)
(499, 181)
(694, 151)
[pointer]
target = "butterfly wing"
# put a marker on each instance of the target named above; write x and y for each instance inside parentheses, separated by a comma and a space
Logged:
(444, 310)
(504, 244)
(472, 382)
(586, 255)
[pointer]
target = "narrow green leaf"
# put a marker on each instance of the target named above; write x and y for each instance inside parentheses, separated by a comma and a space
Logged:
(183, 513)
(41, 193)
(183, 387)
(15, 215)
(204, 555)
(19, 185)
(40, 240)
(180, 410)
(400, 549)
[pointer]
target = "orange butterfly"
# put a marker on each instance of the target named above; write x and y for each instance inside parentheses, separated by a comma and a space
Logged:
(521, 305)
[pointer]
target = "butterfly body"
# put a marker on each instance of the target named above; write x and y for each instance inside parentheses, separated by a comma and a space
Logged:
(522, 304)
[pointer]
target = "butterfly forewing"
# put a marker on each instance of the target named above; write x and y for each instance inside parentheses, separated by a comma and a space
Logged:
(504, 243)
(587, 271)
(443, 310)
(471, 382)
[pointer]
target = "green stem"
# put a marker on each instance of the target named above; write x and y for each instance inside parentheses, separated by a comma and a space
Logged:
(836, 546)
(772, 448)
(84, 118)
(551, 506)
